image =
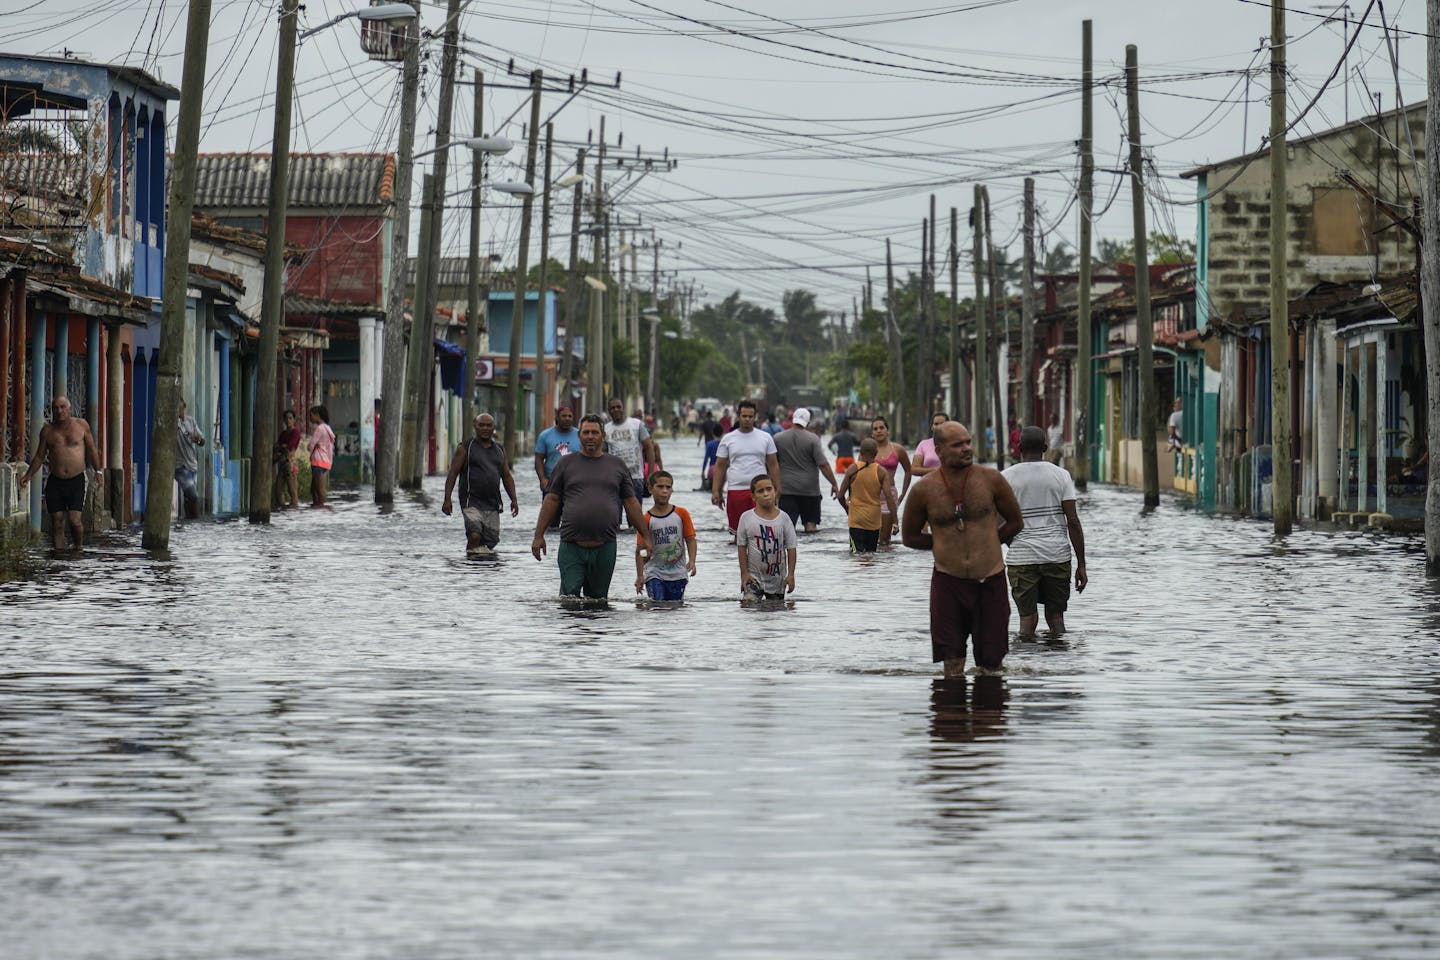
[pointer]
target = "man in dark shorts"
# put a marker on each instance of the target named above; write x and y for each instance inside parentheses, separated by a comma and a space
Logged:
(583, 492)
(481, 468)
(802, 459)
(960, 501)
(67, 444)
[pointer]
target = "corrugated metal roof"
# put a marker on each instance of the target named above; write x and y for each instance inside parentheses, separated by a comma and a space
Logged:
(317, 180)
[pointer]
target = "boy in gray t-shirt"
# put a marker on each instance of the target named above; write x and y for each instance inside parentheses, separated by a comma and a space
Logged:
(765, 539)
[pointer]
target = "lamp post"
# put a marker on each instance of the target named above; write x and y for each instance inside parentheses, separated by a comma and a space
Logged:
(272, 309)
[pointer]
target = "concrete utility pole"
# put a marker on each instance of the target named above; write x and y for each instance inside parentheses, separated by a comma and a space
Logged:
(982, 334)
(600, 372)
(1144, 325)
(445, 111)
(651, 397)
(573, 283)
(922, 332)
(1027, 313)
(415, 358)
(1430, 284)
(998, 375)
(392, 377)
(1080, 464)
(472, 287)
(897, 356)
(1283, 477)
(160, 485)
(542, 391)
(272, 307)
(522, 267)
(958, 390)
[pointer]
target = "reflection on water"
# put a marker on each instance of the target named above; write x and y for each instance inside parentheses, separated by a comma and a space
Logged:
(334, 736)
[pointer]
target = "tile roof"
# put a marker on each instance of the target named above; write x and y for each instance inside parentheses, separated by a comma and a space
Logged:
(324, 180)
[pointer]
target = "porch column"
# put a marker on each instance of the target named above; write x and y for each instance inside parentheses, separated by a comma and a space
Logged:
(60, 376)
(92, 374)
(18, 446)
(1307, 429)
(1347, 423)
(223, 414)
(367, 394)
(37, 406)
(1326, 441)
(1362, 420)
(5, 303)
(1382, 445)
(114, 426)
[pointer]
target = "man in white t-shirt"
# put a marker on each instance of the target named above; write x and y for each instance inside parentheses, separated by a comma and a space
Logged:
(627, 438)
(1039, 558)
(743, 454)
(1174, 425)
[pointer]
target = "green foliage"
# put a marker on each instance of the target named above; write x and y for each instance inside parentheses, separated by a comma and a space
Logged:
(1161, 248)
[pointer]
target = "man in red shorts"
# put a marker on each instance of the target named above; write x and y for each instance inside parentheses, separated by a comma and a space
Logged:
(743, 453)
(968, 596)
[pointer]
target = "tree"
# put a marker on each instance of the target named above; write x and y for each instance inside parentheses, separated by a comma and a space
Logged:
(1164, 248)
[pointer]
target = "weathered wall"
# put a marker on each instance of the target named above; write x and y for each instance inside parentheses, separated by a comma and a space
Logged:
(1239, 217)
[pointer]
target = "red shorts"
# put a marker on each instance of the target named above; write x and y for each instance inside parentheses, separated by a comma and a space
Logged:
(736, 503)
(842, 464)
(961, 609)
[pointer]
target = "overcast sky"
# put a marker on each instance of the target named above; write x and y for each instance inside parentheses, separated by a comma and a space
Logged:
(807, 131)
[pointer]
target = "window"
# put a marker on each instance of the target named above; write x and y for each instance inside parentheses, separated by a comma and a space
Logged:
(1342, 223)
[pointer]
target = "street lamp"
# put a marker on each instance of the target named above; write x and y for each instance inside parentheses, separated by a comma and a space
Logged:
(495, 146)
(383, 11)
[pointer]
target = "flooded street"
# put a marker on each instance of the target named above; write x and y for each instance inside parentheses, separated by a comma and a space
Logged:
(337, 738)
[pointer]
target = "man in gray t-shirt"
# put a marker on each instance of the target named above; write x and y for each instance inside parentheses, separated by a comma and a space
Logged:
(802, 459)
(583, 492)
(187, 463)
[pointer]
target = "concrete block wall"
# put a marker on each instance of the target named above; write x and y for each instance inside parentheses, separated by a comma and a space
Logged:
(1239, 222)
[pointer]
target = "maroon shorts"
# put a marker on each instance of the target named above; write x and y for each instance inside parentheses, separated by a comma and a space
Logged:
(736, 503)
(961, 609)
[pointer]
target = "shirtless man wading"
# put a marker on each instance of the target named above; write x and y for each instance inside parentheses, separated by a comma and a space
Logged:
(66, 442)
(971, 510)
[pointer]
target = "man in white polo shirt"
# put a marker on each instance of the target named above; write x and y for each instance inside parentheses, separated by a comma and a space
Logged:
(743, 454)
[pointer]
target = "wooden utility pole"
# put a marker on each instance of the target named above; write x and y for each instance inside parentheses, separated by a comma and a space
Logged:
(1027, 313)
(981, 400)
(542, 392)
(922, 332)
(522, 267)
(600, 375)
(392, 376)
(415, 370)
(957, 390)
(1144, 325)
(472, 287)
(422, 336)
(160, 485)
(272, 304)
(897, 357)
(999, 373)
(1430, 284)
(1080, 463)
(573, 285)
(1283, 477)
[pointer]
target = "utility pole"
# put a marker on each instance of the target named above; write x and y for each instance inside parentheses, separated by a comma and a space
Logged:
(982, 335)
(1283, 473)
(160, 486)
(1027, 313)
(522, 267)
(999, 376)
(1083, 363)
(542, 392)
(651, 397)
(1144, 325)
(392, 377)
(922, 329)
(600, 374)
(957, 394)
(893, 330)
(472, 288)
(932, 324)
(573, 283)
(414, 357)
(1430, 284)
(426, 319)
(272, 309)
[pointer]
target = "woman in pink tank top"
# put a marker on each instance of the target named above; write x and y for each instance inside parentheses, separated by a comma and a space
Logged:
(891, 457)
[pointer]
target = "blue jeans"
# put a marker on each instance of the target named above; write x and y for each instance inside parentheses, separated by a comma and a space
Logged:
(657, 589)
(188, 489)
